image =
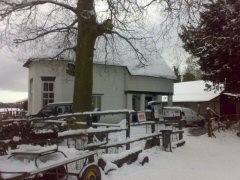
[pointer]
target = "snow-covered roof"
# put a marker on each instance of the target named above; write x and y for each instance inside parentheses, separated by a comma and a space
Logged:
(160, 69)
(9, 109)
(154, 68)
(30, 60)
(193, 91)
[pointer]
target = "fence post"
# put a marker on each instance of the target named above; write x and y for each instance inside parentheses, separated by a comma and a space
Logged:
(209, 122)
(153, 128)
(166, 134)
(128, 124)
(219, 125)
(180, 127)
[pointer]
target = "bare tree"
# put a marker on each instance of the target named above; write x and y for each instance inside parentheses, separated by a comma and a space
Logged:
(75, 25)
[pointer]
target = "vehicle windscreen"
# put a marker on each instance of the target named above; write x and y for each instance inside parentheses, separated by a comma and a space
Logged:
(48, 109)
(171, 113)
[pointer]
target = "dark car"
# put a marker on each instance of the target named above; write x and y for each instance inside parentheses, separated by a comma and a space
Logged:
(50, 124)
(54, 109)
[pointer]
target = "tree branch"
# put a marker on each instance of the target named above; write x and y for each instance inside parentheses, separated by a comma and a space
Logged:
(139, 55)
(63, 29)
(11, 7)
(64, 50)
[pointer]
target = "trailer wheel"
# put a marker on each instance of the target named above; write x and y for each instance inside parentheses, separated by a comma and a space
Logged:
(91, 172)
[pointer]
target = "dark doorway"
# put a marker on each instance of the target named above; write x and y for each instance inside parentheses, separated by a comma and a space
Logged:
(228, 104)
(148, 99)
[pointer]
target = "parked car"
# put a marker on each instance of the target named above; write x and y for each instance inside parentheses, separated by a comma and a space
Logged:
(54, 109)
(50, 110)
(186, 115)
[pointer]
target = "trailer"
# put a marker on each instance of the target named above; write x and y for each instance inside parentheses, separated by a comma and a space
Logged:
(55, 170)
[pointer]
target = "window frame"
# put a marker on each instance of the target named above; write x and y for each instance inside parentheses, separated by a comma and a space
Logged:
(48, 92)
(97, 101)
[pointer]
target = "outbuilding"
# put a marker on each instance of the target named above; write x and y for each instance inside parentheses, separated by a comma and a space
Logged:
(194, 95)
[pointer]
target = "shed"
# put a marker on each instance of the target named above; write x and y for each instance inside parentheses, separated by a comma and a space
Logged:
(194, 95)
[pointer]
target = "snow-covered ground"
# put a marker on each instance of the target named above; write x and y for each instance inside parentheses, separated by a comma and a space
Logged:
(200, 158)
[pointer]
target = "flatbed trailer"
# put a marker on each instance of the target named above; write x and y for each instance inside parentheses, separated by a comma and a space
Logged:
(58, 170)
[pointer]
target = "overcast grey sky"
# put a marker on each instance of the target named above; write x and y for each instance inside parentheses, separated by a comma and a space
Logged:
(13, 77)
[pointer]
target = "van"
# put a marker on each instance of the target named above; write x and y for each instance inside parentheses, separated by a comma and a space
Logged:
(186, 115)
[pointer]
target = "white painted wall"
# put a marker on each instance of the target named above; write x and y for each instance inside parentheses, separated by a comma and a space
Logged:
(109, 81)
(63, 84)
(152, 84)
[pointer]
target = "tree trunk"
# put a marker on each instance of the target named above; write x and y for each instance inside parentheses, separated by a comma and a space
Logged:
(82, 98)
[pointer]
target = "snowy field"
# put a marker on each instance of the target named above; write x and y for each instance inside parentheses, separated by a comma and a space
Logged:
(200, 158)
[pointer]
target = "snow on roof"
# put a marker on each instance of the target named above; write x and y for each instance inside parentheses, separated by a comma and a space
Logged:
(160, 69)
(193, 91)
(9, 109)
(157, 67)
(30, 60)
(154, 66)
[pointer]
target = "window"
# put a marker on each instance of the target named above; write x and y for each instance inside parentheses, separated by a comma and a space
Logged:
(48, 93)
(47, 89)
(96, 101)
(136, 102)
(64, 109)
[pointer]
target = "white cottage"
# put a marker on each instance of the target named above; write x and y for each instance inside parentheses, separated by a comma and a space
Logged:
(114, 86)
